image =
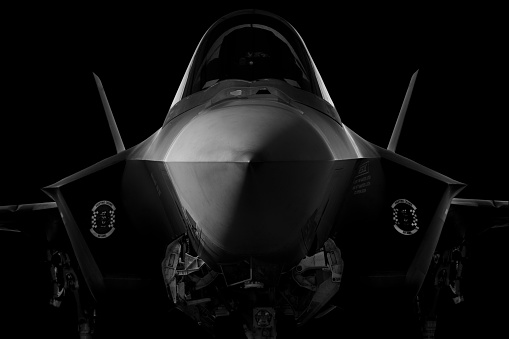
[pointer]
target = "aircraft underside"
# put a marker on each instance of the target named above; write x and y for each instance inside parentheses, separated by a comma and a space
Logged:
(257, 292)
(213, 285)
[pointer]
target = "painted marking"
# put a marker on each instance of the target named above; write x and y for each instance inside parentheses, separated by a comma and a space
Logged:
(362, 179)
(361, 184)
(103, 219)
(363, 169)
(404, 216)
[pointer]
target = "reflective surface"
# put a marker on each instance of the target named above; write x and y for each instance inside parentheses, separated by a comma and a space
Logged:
(251, 46)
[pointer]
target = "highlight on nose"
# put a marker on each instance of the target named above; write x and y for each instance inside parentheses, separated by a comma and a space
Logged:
(250, 176)
(256, 132)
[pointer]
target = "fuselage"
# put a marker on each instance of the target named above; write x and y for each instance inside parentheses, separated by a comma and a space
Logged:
(252, 167)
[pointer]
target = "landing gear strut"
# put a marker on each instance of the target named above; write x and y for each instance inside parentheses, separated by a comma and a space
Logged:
(65, 282)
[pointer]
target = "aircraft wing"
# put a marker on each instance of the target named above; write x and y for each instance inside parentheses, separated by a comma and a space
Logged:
(468, 218)
(96, 215)
(467, 260)
(39, 220)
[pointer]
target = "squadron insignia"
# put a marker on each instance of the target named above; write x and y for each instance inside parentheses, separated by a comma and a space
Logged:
(103, 219)
(405, 217)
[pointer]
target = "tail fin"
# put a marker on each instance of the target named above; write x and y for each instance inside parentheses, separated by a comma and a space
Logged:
(401, 117)
(109, 115)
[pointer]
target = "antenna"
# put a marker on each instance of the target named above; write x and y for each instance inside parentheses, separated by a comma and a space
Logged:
(109, 115)
(401, 117)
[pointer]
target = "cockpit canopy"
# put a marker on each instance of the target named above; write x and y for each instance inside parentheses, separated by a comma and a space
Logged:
(251, 45)
(249, 51)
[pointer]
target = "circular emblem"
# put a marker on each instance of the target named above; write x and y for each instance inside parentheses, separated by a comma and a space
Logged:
(404, 216)
(103, 219)
(263, 318)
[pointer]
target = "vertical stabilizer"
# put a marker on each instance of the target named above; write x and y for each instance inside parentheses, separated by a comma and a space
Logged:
(111, 120)
(401, 117)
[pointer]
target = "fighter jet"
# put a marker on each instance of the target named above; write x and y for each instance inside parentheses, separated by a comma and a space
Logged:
(253, 203)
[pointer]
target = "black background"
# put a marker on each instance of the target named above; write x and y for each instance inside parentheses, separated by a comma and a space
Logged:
(52, 123)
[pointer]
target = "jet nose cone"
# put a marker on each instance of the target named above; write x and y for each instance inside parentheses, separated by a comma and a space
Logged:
(249, 131)
(251, 177)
